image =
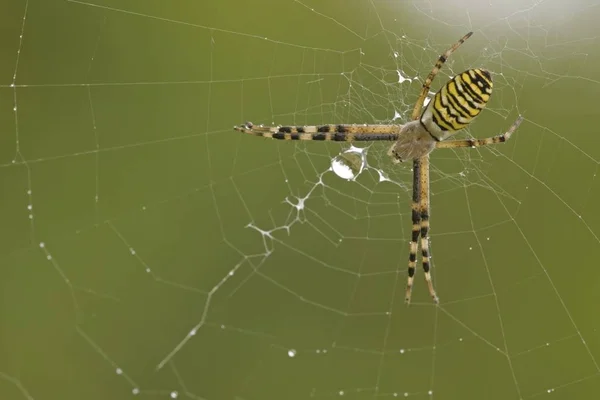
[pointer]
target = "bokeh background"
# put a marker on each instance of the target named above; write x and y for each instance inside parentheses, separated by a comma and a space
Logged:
(149, 251)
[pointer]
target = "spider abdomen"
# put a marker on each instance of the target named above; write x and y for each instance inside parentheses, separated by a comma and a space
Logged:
(457, 103)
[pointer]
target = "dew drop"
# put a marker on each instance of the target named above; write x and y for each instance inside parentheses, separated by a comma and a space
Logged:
(349, 164)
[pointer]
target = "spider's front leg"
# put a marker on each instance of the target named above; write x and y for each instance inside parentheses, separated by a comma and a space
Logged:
(424, 209)
(416, 229)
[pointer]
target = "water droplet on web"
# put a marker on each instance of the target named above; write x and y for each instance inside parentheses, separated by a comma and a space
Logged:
(349, 164)
(402, 78)
(292, 353)
(174, 394)
(135, 391)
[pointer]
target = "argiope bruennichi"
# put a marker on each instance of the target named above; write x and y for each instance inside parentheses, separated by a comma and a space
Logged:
(452, 108)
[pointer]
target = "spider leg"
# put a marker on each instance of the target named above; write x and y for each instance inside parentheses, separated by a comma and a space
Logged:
(450, 144)
(416, 228)
(436, 68)
(337, 133)
(424, 210)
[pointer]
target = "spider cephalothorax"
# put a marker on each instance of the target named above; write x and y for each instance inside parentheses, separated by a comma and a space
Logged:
(414, 141)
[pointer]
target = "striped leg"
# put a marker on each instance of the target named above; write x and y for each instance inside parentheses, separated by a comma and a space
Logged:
(337, 133)
(436, 68)
(424, 214)
(450, 144)
(416, 228)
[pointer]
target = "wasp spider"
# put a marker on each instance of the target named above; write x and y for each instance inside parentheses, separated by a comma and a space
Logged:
(452, 108)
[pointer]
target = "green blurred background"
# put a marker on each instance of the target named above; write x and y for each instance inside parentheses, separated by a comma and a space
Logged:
(149, 251)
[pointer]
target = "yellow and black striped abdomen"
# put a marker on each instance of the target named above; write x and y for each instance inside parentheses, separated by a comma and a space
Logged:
(457, 103)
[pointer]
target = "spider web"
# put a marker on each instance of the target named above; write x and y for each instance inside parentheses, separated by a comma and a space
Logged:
(149, 251)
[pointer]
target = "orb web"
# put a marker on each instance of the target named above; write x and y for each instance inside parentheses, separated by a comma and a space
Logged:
(152, 252)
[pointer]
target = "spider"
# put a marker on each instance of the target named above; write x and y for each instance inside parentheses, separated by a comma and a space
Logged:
(452, 108)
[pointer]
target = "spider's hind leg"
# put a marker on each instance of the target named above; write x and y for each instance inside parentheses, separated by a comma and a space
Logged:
(436, 68)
